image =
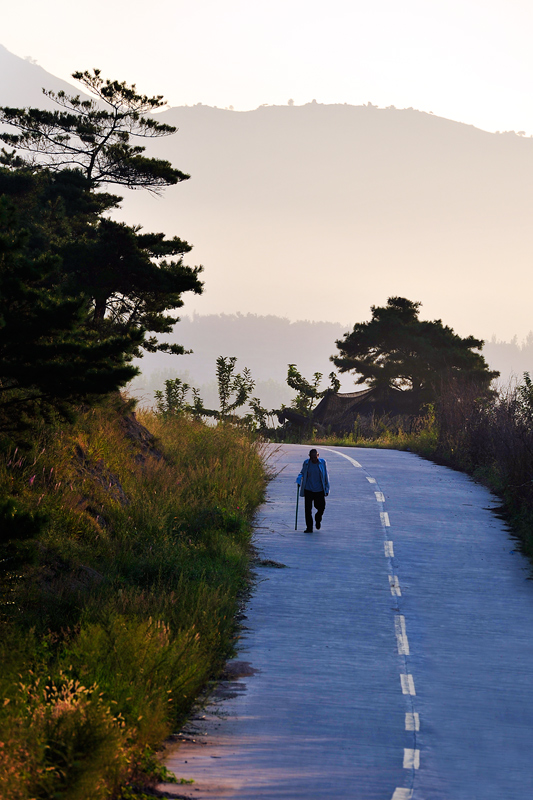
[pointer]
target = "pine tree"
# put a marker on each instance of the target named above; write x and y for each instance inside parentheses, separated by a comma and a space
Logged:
(92, 135)
(81, 293)
(48, 358)
(397, 349)
(129, 280)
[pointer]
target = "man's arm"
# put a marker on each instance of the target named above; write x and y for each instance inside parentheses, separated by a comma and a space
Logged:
(300, 477)
(326, 479)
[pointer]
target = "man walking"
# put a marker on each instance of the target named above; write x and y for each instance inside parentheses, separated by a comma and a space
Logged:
(314, 487)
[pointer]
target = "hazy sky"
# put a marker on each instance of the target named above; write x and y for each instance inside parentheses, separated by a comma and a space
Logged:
(469, 60)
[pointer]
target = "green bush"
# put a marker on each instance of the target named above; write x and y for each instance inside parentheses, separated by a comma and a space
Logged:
(127, 607)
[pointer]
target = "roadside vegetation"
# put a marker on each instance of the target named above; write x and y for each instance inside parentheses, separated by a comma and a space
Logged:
(451, 412)
(489, 437)
(118, 593)
(492, 439)
(123, 541)
(393, 432)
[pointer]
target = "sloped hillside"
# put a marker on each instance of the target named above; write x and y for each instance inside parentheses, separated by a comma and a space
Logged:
(318, 212)
(122, 559)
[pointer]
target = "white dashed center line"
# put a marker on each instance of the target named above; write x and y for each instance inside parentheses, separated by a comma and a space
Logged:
(411, 759)
(402, 794)
(395, 586)
(411, 756)
(412, 722)
(401, 635)
(408, 684)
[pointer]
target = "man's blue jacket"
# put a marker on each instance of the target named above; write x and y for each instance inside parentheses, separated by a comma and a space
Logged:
(302, 477)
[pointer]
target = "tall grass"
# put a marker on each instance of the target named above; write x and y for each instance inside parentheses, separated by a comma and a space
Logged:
(492, 439)
(489, 437)
(398, 432)
(124, 608)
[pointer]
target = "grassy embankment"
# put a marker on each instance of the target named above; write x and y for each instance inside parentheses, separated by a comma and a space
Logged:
(125, 606)
(490, 439)
(390, 433)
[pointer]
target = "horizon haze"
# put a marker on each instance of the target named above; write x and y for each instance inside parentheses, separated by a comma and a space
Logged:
(466, 60)
(318, 212)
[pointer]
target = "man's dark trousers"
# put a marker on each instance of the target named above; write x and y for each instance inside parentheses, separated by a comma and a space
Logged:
(319, 499)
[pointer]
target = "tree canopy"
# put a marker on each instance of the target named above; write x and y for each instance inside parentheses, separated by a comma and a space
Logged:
(48, 357)
(80, 293)
(92, 135)
(129, 282)
(397, 349)
(131, 279)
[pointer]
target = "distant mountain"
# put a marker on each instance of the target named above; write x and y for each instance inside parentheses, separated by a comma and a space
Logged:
(266, 345)
(317, 212)
(22, 81)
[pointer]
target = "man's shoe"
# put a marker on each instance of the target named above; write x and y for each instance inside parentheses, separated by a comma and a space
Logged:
(308, 530)
(318, 525)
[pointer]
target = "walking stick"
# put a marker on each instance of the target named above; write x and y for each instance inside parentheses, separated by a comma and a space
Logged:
(297, 499)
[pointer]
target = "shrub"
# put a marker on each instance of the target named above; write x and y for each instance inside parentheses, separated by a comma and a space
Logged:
(128, 608)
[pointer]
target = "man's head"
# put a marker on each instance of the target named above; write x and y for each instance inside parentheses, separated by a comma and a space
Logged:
(313, 455)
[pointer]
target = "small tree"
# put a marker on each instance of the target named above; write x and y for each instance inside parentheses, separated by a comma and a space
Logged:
(173, 400)
(234, 389)
(308, 391)
(260, 414)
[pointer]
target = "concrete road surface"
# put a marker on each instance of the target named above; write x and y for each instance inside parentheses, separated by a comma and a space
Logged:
(391, 658)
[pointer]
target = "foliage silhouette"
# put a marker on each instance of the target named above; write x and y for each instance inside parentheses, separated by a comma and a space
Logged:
(234, 389)
(397, 349)
(308, 391)
(123, 272)
(172, 401)
(48, 358)
(92, 135)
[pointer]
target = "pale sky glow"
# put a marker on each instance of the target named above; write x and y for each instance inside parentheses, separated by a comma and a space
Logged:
(468, 60)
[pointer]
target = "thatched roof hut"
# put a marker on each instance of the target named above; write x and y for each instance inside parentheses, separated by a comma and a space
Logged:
(338, 412)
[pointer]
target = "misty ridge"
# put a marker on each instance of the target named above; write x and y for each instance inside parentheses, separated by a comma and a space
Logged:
(264, 344)
(317, 212)
(22, 81)
(267, 344)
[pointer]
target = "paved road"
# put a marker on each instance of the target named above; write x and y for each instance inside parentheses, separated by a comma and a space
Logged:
(392, 658)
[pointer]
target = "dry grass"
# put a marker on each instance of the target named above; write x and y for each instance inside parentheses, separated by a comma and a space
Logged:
(489, 437)
(388, 432)
(125, 606)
